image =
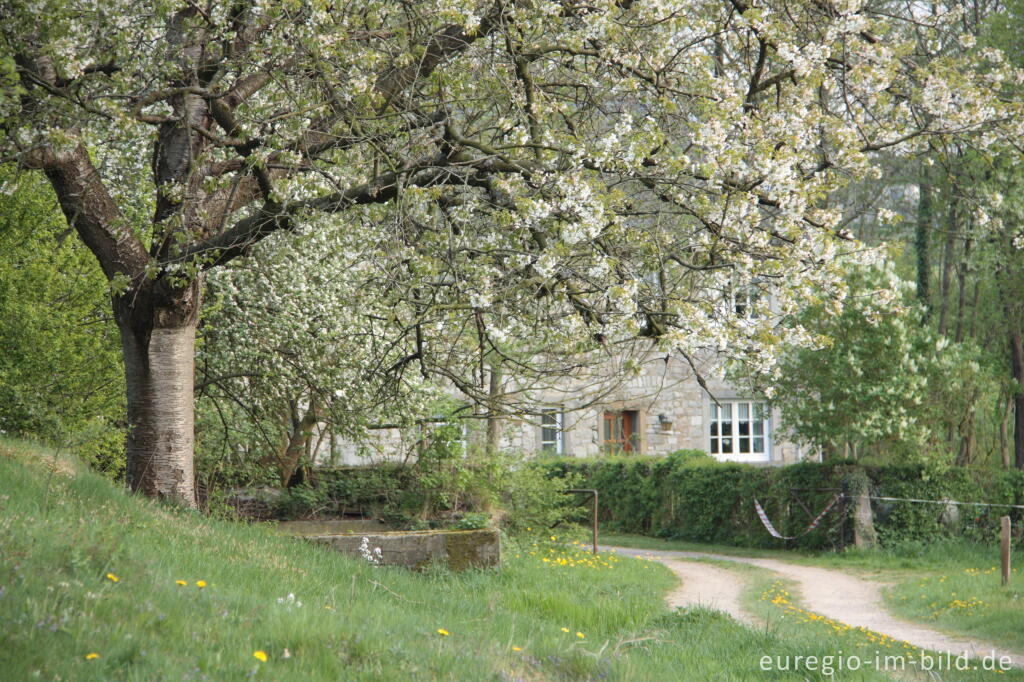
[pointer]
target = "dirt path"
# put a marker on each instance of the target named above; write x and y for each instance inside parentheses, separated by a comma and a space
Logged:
(706, 585)
(831, 593)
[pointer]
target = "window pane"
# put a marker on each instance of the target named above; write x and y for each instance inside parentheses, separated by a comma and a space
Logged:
(738, 427)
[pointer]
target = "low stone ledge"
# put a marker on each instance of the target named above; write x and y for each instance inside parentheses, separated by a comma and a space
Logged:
(456, 549)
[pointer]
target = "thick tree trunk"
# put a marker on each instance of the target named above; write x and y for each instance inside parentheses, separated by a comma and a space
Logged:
(159, 365)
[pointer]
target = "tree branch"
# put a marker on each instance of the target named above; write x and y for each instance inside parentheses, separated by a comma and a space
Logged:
(90, 209)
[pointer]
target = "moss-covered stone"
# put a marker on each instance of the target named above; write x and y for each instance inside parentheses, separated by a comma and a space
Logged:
(456, 549)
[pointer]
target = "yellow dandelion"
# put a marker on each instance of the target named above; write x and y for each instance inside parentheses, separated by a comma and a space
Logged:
(443, 632)
(200, 584)
(113, 578)
(517, 648)
(580, 635)
(91, 656)
(260, 654)
(565, 629)
(180, 582)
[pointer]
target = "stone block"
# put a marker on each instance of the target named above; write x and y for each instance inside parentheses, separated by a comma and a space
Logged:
(456, 549)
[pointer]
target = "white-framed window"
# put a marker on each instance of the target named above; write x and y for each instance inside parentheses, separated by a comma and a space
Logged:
(740, 430)
(552, 431)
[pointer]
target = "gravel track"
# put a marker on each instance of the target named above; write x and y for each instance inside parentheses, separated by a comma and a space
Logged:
(835, 594)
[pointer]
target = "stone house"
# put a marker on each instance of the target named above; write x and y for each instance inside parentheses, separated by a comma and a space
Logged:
(660, 409)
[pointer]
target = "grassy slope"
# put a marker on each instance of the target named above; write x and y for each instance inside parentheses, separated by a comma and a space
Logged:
(953, 586)
(62, 533)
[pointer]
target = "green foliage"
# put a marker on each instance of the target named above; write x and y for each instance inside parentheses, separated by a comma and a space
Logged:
(884, 383)
(902, 522)
(691, 497)
(300, 502)
(443, 477)
(100, 445)
(60, 369)
(443, 489)
(472, 521)
(532, 498)
(371, 490)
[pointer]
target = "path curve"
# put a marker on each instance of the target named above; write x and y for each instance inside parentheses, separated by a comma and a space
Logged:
(708, 586)
(837, 595)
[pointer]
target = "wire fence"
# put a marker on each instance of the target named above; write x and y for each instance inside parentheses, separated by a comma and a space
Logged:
(947, 502)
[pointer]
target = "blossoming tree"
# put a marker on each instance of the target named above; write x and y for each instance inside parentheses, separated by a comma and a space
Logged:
(629, 162)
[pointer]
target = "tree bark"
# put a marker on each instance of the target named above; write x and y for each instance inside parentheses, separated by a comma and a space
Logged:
(159, 361)
(494, 411)
(922, 240)
(1004, 433)
(301, 432)
(1017, 359)
(962, 272)
(952, 231)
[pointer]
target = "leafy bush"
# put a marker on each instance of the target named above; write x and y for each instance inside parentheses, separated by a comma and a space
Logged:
(533, 498)
(301, 501)
(101, 445)
(472, 521)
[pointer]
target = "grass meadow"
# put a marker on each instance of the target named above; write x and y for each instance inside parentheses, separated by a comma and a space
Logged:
(96, 584)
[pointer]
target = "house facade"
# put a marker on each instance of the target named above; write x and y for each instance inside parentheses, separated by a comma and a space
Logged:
(662, 409)
(659, 409)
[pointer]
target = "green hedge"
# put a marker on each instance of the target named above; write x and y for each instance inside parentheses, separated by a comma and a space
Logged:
(689, 496)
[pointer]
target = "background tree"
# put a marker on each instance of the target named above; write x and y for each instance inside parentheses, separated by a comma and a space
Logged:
(61, 378)
(882, 385)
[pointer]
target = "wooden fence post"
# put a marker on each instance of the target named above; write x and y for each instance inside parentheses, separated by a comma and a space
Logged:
(1005, 548)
